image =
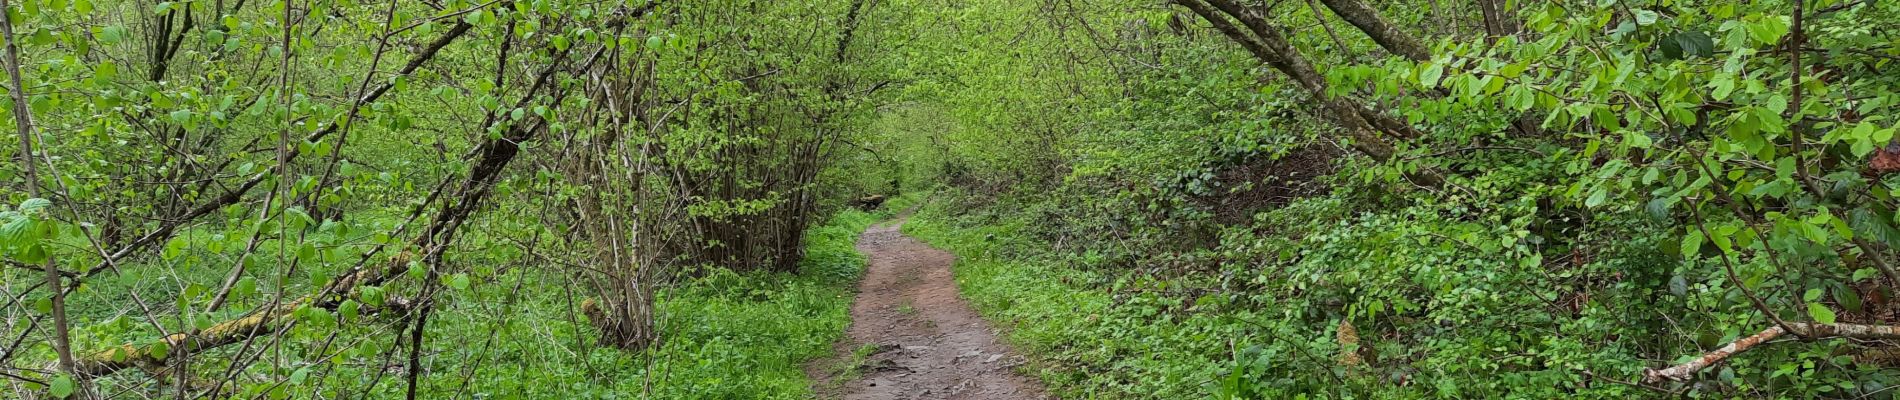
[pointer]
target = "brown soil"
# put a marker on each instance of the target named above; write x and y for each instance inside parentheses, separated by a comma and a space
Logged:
(924, 341)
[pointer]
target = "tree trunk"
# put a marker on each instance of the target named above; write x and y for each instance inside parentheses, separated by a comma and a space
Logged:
(1388, 36)
(1271, 47)
(624, 313)
(1498, 20)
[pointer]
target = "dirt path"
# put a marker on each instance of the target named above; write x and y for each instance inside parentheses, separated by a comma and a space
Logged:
(923, 342)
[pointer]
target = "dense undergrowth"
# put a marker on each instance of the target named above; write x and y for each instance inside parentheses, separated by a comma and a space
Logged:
(763, 323)
(1416, 199)
(502, 340)
(1163, 199)
(1330, 298)
(437, 199)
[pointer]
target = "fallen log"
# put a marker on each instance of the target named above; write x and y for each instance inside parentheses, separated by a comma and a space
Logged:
(872, 202)
(257, 323)
(1808, 331)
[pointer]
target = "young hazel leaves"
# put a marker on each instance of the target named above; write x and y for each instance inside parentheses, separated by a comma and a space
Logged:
(1688, 44)
(1820, 313)
(61, 387)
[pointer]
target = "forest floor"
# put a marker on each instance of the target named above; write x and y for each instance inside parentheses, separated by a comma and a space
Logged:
(912, 336)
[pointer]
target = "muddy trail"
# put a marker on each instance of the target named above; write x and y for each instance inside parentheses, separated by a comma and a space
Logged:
(912, 337)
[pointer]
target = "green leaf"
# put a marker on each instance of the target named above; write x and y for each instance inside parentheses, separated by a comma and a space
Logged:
(1820, 313)
(1721, 238)
(1769, 30)
(307, 252)
(159, 350)
(477, 18)
(62, 387)
(1597, 197)
(1746, 133)
(416, 270)
(17, 231)
(1689, 44)
(301, 218)
(1867, 223)
(1849, 299)
(1658, 208)
(373, 296)
(1645, 17)
(348, 310)
(1778, 104)
(244, 287)
(111, 34)
(1723, 84)
(1519, 98)
(459, 281)
(1430, 75)
(34, 254)
(1862, 274)
(35, 207)
(174, 247)
(106, 70)
(40, 104)
(1696, 43)
(1692, 244)
(42, 37)
(1637, 139)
